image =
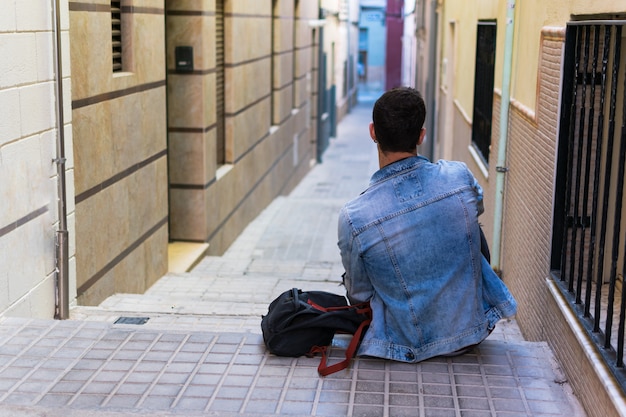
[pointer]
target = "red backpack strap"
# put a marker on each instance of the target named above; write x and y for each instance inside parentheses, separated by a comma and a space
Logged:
(323, 369)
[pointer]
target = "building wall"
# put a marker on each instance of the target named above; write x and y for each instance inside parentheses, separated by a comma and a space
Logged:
(341, 45)
(120, 148)
(141, 144)
(527, 231)
(373, 20)
(409, 43)
(531, 161)
(394, 22)
(268, 101)
(28, 137)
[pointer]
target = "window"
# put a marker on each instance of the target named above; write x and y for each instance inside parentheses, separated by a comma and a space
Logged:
(588, 247)
(483, 87)
(296, 63)
(219, 83)
(116, 35)
(274, 79)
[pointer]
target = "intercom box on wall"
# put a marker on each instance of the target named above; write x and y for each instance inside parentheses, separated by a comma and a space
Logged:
(184, 58)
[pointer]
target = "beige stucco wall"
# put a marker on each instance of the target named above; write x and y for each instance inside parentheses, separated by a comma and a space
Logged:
(465, 14)
(531, 161)
(340, 44)
(120, 137)
(28, 176)
(269, 97)
(530, 17)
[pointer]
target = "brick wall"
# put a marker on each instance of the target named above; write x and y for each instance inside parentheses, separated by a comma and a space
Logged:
(529, 191)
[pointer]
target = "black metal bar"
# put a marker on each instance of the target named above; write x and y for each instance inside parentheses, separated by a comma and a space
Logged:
(572, 32)
(618, 201)
(561, 196)
(615, 22)
(579, 155)
(622, 314)
(606, 47)
(620, 329)
(590, 124)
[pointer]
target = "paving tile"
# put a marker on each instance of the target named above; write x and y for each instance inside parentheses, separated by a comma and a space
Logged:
(68, 387)
(123, 401)
(403, 411)
(333, 410)
(335, 397)
(262, 406)
(157, 402)
(368, 411)
(224, 404)
(295, 408)
(436, 389)
(131, 388)
(473, 413)
(372, 398)
(474, 403)
(510, 405)
(87, 401)
(439, 412)
(506, 393)
(20, 398)
(192, 403)
(404, 401)
(55, 400)
(172, 378)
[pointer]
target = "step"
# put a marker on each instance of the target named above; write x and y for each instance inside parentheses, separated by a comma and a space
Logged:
(78, 368)
(183, 256)
(191, 300)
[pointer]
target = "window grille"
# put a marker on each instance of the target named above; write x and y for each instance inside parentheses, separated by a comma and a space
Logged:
(274, 81)
(296, 55)
(116, 35)
(588, 245)
(483, 87)
(219, 83)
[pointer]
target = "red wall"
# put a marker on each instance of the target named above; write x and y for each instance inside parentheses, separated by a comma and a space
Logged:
(395, 29)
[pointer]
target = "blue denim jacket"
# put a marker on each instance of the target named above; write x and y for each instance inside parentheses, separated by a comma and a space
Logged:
(410, 244)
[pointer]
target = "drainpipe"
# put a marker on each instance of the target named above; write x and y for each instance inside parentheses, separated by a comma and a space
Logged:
(62, 257)
(428, 146)
(501, 168)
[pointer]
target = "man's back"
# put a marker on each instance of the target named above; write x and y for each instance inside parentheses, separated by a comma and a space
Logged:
(411, 245)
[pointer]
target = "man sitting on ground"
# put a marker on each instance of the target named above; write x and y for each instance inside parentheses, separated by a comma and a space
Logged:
(411, 245)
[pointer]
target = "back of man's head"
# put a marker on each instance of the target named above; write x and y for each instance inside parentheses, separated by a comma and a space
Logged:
(398, 118)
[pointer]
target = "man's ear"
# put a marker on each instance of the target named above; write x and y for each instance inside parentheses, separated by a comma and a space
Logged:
(422, 136)
(372, 131)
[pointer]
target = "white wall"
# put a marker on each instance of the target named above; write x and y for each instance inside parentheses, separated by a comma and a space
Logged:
(28, 178)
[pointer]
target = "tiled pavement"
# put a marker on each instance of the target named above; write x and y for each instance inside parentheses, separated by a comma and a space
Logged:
(200, 352)
(93, 366)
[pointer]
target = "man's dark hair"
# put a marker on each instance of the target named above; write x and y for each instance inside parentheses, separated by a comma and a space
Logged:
(398, 118)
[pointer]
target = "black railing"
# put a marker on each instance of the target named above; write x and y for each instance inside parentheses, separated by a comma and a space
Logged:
(589, 239)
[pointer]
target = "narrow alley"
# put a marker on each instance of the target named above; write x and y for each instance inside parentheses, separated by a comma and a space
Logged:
(192, 345)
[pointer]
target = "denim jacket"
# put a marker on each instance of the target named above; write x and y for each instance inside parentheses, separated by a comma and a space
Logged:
(410, 244)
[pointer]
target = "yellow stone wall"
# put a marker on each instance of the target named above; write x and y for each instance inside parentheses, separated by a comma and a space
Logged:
(120, 149)
(141, 144)
(531, 139)
(267, 105)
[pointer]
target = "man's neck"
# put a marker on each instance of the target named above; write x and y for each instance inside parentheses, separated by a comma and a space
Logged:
(386, 158)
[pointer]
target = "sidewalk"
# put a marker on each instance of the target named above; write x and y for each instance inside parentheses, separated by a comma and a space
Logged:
(192, 344)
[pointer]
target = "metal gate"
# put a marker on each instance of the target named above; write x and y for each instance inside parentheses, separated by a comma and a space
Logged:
(589, 240)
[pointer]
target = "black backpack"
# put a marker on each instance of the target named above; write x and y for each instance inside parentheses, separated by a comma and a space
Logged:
(304, 323)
